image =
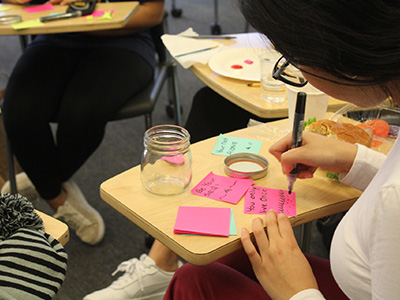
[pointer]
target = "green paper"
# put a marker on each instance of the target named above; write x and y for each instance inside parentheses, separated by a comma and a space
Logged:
(232, 227)
(4, 8)
(27, 24)
(227, 145)
(106, 16)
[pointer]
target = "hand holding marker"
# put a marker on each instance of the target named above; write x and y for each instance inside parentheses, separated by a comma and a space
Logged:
(297, 133)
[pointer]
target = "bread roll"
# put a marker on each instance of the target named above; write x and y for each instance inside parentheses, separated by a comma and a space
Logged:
(341, 131)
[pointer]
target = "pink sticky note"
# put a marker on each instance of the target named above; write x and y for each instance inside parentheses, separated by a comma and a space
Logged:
(99, 13)
(259, 200)
(222, 188)
(203, 220)
(176, 159)
(38, 8)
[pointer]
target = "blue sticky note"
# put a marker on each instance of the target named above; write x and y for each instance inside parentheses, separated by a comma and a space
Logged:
(232, 227)
(227, 145)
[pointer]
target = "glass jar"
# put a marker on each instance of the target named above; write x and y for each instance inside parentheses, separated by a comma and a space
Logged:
(166, 165)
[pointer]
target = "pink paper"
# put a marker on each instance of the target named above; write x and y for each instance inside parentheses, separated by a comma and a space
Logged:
(222, 188)
(259, 200)
(176, 159)
(203, 220)
(38, 8)
(99, 13)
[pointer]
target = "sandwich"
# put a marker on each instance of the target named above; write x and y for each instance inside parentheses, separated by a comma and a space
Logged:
(342, 131)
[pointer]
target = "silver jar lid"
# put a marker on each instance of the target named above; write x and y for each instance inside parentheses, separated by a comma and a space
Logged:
(246, 165)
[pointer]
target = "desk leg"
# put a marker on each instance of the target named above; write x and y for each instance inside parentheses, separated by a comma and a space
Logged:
(305, 237)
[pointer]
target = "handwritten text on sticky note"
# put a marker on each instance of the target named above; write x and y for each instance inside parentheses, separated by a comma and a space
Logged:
(227, 145)
(259, 200)
(222, 188)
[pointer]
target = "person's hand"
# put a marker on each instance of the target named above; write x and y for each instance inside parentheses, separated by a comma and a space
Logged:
(60, 2)
(16, 1)
(279, 265)
(316, 151)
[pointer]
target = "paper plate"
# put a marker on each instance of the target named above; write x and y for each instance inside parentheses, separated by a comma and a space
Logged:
(240, 63)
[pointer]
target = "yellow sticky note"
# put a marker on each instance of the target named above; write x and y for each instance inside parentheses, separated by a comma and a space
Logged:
(89, 18)
(27, 24)
(4, 8)
(106, 16)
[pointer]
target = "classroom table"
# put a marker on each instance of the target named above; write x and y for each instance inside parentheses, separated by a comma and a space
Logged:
(238, 92)
(122, 13)
(316, 198)
(55, 228)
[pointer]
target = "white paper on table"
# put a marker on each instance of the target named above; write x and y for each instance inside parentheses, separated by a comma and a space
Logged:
(178, 44)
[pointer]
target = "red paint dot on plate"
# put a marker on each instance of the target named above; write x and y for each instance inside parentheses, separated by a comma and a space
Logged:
(236, 67)
(248, 61)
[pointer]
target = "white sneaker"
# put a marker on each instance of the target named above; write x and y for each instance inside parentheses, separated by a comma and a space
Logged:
(142, 280)
(25, 187)
(80, 216)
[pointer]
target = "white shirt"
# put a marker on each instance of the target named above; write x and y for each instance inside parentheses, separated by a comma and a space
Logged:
(365, 252)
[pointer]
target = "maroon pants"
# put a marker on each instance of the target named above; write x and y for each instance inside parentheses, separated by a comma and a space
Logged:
(232, 278)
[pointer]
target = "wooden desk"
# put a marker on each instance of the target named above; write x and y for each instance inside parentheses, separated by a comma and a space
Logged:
(237, 91)
(316, 198)
(55, 228)
(123, 11)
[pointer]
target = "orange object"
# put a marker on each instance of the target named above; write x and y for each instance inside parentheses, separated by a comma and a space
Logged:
(379, 127)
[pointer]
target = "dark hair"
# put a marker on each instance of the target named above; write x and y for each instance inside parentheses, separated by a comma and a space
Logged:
(350, 39)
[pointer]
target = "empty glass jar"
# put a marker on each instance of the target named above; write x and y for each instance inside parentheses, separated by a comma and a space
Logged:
(166, 166)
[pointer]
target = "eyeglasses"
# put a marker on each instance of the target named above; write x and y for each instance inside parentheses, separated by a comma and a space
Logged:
(288, 73)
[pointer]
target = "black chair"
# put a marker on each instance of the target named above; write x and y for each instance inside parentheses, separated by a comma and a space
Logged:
(144, 102)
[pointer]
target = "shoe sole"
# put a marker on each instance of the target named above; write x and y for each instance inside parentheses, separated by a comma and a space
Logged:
(158, 296)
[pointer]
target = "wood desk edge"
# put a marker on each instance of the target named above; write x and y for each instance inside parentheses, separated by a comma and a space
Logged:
(103, 25)
(55, 228)
(198, 70)
(206, 258)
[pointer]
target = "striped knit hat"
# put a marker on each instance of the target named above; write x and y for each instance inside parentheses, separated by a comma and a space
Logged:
(32, 263)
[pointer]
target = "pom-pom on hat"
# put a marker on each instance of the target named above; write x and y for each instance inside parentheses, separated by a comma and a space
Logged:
(17, 212)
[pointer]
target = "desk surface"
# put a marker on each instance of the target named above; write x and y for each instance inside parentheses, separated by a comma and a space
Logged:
(55, 228)
(123, 11)
(237, 91)
(316, 198)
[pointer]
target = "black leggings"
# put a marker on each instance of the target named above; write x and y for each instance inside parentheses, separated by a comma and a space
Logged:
(80, 89)
(211, 114)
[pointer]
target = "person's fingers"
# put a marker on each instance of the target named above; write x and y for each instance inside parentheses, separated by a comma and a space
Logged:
(280, 146)
(272, 225)
(249, 247)
(259, 234)
(303, 171)
(285, 228)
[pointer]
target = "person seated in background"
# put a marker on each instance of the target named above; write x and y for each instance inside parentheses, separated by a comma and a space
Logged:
(350, 51)
(32, 263)
(80, 80)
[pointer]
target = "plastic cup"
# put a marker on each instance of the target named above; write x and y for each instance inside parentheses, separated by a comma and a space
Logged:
(316, 102)
(272, 90)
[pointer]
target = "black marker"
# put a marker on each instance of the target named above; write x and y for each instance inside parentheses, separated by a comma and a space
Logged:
(68, 15)
(297, 133)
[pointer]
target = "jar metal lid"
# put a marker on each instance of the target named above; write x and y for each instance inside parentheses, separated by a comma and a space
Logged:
(10, 19)
(246, 165)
